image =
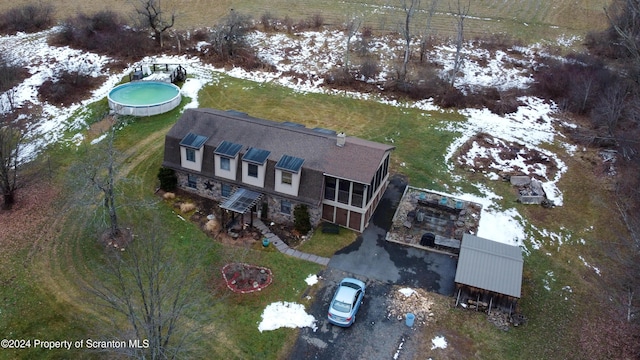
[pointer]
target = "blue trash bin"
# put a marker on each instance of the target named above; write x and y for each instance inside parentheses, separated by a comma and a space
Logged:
(410, 319)
(265, 242)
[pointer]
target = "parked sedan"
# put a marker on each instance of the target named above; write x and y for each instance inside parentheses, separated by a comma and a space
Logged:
(346, 302)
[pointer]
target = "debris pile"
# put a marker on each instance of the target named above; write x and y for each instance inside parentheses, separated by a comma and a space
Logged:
(499, 319)
(416, 301)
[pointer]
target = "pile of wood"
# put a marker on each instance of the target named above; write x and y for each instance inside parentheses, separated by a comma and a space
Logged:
(406, 300)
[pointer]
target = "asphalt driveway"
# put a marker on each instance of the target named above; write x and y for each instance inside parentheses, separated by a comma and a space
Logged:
(381, 265)
(372, 257)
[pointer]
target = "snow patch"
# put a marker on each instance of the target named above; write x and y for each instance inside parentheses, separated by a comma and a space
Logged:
(286, 314)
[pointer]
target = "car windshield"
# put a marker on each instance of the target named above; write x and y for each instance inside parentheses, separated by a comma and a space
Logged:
(341, 306)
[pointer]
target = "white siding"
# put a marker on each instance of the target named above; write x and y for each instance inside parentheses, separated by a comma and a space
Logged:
(227, 174)
(259, 181)
(286, 188)
(191, 165)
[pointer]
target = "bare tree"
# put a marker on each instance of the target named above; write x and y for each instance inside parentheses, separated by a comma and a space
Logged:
(152, 15)
(96, 179)
(229, 37)
(624, 19)
(11, 161)
(149, 290)
(351, 29)
(460, 13)
(409, 7)
(610, 108)
(426, 33)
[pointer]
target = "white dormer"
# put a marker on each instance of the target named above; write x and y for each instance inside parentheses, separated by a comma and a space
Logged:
(191, 151)
(225, 158)
(254, 166)
(288, 172)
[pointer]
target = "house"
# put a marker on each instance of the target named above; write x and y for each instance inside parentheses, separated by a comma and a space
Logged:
(244, 162)
(489, 273)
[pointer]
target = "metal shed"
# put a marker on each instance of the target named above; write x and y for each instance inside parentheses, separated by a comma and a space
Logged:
(490, 270)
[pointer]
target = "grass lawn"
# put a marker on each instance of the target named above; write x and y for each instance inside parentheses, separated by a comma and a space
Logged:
(326, 244)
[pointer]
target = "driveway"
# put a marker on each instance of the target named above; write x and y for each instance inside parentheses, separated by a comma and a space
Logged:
(372, 257)
(381, 265)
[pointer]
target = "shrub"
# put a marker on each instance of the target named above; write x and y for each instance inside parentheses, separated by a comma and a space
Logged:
(104, 32)
(316, 21)
(301, 218)
(370, 68)
(211, 225)
(187, 207)
(27, 18)
(339, 77)
(10, 74)
(268, 21)
(68, 87)
(265, 211)
(169, 196)
(168, 179)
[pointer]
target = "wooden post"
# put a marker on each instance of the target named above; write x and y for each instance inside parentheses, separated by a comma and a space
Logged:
(458, 297)
(490, 303)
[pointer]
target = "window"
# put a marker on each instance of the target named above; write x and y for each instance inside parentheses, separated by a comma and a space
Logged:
(192, 181)
(191, 155)
(343, 191)
(330, 188)
(225, 163)
(357, 195)
(287, 178)
(285, 207)
(253, 170)
(225, 191)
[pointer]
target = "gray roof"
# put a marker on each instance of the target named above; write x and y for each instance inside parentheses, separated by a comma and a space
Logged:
(357, 160)
(490, 265)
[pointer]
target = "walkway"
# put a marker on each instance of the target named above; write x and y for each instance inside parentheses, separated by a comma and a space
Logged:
(284, 248)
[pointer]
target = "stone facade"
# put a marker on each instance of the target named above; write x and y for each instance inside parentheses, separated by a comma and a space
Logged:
(212, 189)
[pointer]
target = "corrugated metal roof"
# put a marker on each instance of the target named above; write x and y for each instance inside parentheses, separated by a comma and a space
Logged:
(228, 148)
(193, 140)
(490, 265)
(289, 163)
(255, 155)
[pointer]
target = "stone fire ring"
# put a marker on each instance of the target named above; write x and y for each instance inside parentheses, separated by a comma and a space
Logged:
(245, 286)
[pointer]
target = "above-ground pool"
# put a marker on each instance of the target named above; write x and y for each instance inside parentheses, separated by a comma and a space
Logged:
(144, 98)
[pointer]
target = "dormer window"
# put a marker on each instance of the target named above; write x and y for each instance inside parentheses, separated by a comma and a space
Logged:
(225, 159)
(252, 170)
(254, 165)
(287, 178)
(191, 151)
(225, 163)
(288, 173)
(191, 155)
